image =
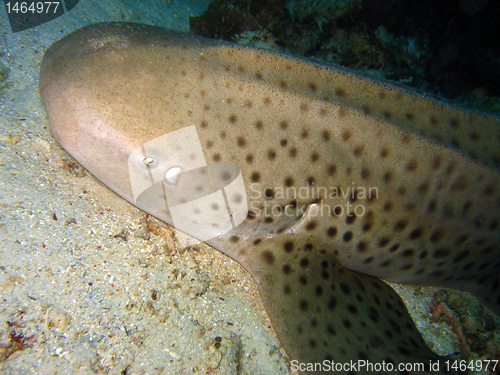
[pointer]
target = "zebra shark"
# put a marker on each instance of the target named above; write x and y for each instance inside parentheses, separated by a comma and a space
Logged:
(346, 180)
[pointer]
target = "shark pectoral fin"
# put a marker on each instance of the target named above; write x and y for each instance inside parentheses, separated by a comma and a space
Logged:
(323, 312)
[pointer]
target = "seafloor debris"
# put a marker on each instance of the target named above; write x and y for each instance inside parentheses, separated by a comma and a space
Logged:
(143, 231)
(14, 340)
(474, 325)
(56, 319)
(72, 166)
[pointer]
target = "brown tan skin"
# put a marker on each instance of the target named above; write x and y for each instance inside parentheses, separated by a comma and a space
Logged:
(428, 212)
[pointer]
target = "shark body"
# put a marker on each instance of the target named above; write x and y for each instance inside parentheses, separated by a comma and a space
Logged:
(348, 180)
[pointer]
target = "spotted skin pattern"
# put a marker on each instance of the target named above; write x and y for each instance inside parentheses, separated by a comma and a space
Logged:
(348, 179)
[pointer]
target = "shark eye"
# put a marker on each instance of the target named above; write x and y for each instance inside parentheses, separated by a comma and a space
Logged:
(172, 175)
(149, 162)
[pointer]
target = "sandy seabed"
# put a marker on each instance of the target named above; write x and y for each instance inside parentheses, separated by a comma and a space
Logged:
(85, 288)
